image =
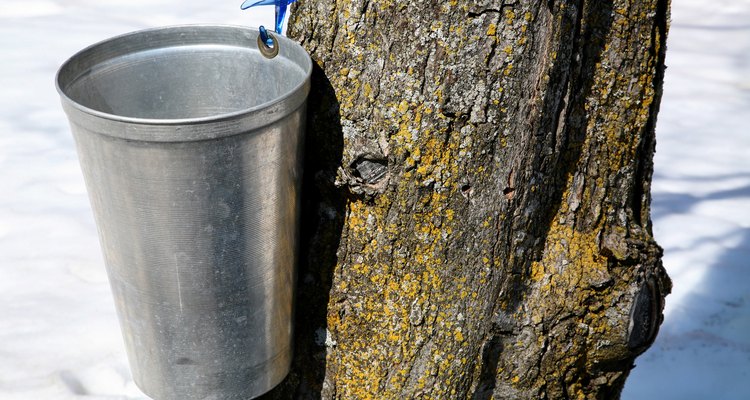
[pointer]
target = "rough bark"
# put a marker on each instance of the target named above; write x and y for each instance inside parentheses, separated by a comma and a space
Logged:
(477, 198)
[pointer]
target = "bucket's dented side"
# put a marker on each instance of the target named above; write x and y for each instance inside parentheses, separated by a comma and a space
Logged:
(199, 234)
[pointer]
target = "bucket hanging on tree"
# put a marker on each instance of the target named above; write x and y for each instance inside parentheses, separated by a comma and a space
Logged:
(190, 141)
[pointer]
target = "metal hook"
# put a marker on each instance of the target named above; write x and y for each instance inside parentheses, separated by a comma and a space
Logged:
(267, 43)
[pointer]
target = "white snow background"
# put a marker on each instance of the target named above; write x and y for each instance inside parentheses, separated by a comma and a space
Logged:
(59, 335)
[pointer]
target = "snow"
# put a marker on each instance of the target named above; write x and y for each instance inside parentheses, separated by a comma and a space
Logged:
(701, 208)
(59, 337)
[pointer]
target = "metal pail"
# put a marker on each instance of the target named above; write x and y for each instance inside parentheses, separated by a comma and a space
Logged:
(190, 142)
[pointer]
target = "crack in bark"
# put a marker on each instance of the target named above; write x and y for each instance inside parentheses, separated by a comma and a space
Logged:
(647, 146)
(478, 13)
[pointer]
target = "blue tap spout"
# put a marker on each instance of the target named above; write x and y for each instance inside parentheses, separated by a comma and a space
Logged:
(281, 6)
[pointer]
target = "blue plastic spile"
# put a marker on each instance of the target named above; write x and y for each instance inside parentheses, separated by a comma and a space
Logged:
(281, 6)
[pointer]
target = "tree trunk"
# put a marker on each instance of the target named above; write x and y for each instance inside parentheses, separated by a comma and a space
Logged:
(476, 219)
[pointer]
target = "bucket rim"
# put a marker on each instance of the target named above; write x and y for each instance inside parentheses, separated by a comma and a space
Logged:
(307, 69)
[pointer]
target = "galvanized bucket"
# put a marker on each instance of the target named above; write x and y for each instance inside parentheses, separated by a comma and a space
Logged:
(190, 141)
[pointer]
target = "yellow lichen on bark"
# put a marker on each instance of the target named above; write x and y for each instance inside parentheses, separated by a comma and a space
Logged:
(405, 311)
